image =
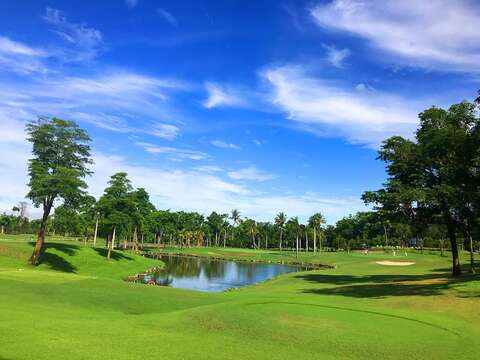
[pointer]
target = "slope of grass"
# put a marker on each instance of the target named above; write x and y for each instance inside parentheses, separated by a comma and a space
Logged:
(360, 310)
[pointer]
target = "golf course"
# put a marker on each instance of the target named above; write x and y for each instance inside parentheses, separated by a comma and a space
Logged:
(76, 305)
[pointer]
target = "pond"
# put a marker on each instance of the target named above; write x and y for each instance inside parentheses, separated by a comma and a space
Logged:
(212, 275)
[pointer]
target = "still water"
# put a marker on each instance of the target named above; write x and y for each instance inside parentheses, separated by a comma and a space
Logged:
(212, 275)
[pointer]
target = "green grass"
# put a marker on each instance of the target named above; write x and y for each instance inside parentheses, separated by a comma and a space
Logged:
(360, 310)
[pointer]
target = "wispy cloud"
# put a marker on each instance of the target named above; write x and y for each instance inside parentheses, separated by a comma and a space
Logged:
(198, 189)
(251, 173)
(335, 56)
(224, 145)
(174, 153)
(332, 108)
(165, 131)
(20, 57)
(131, 3)
(209, 168)
(126, 98)
(167, 16)
(220, 96)
(416, 33)
(85, 41)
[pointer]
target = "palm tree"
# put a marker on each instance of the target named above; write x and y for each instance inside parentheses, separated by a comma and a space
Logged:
(316, 221)
(280, 220)
(235, 217)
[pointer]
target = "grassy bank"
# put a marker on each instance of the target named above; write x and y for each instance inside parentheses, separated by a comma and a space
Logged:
(75, 306)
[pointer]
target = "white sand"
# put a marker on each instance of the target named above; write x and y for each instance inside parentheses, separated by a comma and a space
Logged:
(395, 263)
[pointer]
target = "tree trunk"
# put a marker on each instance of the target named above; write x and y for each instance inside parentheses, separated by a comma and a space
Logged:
(135, 240)
(386, 236)
(296, 254)
(3, 230)
(281, 231)
(112, 244)
(225, 238)
(306, 241)
(469, 239)
(314, 240)
(39, 245)
(95, 235)
(456, 269)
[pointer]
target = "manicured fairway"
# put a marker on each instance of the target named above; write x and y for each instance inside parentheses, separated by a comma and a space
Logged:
(75, 306)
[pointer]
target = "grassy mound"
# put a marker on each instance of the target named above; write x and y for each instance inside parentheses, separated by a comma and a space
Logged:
(359, 310)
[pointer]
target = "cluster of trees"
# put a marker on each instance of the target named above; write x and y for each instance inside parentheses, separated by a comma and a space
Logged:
(433, 180)
(431, 194)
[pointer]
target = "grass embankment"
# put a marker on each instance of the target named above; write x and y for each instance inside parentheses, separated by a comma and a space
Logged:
(361, 310)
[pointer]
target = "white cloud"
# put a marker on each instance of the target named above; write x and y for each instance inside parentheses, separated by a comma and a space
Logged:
(190, 190)
(126, 98)
(433, 34)
(327, 107)
(224, 145)
(194, 190)
(250, 173)
(219, 96)
(165, 131)
(335, 56)
(167, 16)
(131, 3)
(86, 41)
(209, 168)
(174, 153)
(20, 57)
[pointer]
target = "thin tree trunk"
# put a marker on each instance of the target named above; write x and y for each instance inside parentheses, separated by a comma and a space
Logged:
(112, 244)
(306, 241)
(224, 238)
(39, 245)
(456, 269)
(468, 234)
(314, 240)
(3, 230)
(95, 235)
(281, 233)
(296, 254)
(386, 236)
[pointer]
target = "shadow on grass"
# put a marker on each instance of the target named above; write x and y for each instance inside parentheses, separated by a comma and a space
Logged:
(115, 255)
(57, 262)
(382, 286)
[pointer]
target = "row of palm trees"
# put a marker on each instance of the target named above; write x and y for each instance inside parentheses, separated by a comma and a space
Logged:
(315, 223)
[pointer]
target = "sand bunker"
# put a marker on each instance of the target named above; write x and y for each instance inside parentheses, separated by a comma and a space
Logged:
(395, 263)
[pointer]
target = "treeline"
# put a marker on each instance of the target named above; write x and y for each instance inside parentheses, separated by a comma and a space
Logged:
(431, 194)
(136, 221)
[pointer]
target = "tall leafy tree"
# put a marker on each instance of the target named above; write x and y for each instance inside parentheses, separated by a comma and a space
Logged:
(434, 177)
(117, 208)
(236, 217)
(315, 222)
(61, 155)
(280, 221)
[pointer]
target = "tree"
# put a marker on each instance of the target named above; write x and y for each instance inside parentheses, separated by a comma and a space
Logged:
(235, 216)
(117, 207)
(280, 220)
(61, 156)
(316, 221)
(435, 177)
(294, 228)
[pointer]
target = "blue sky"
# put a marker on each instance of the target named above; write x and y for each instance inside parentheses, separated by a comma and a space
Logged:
(264, 106)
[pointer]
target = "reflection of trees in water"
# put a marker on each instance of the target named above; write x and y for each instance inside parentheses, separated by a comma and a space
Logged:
(181, 267)
(178, 267)
(214, 269)
(247, 271)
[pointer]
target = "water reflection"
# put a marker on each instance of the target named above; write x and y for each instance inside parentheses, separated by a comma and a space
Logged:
(212, 275)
